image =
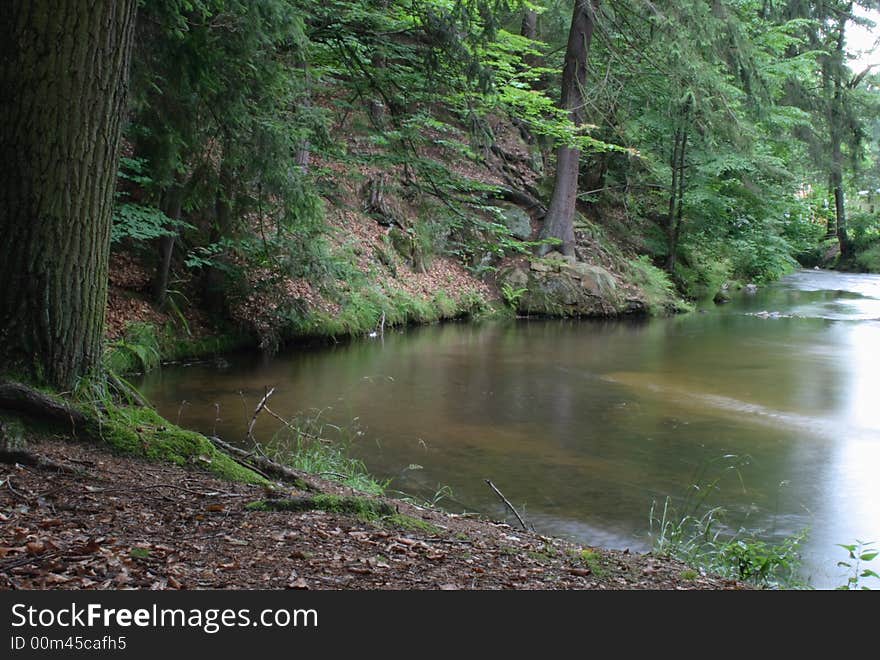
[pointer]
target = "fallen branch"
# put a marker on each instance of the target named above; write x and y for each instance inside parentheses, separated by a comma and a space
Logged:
(266, 466)
(22, 457)
(7, 566)
(260, 406)
(509, 505)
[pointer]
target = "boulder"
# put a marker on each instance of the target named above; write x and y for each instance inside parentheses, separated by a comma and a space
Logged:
(517, 221)
(557, 285)
(722, 297)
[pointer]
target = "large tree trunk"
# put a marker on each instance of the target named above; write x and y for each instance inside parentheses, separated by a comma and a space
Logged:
(63, 72)
(559, 223)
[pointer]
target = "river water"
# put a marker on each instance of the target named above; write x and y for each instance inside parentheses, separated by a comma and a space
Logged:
(769, 404)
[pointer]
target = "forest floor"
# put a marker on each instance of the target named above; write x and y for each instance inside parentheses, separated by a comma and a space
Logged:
(108, 521)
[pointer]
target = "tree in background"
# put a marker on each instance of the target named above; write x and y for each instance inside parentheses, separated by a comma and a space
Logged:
(559, 222)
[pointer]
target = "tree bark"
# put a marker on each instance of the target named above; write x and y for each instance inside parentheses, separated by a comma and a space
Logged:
(215, 279)
(63, 72)
(171, 207)
(836, 121)
(559, 223)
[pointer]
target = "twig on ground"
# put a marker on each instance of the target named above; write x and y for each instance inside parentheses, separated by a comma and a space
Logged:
(24, 561)
(509, 505)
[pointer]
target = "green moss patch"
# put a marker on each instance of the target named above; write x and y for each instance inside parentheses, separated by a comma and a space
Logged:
(142, 432)
(412, 524)
(363, 507)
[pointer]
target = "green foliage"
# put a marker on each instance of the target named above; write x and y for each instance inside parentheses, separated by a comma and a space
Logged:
(135, 221)
(140, 223)
(700, 274)
(312, 445)
(659, 291)
(511, 295)
(868, 260)
(859, 553)
(865, 227)
(695, 533)
(137, 350)
(592, 559)
(144, 347)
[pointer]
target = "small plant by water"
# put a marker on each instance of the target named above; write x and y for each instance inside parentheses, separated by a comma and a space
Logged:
(859, 553)
(511, 295)
(696, 533)
(312, 445)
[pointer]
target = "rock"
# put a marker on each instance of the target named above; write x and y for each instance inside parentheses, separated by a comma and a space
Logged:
(751, 289)
(540, 266)
(721, 298)
(517, 221)
(596, 280)
(635, 307)
(560, 286)
(518, 278)
(555, 255)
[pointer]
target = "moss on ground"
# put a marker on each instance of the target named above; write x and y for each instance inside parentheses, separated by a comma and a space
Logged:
(362, 312)
(409, 523)
(142, 432)
(590, 558)
(365, 508)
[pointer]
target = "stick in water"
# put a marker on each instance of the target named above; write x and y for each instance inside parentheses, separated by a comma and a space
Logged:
(509, 505)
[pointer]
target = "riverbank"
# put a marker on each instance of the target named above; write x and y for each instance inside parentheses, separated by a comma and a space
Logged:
(100, 520)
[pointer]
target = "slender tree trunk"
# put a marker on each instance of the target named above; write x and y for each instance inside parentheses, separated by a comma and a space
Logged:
(303, 153)
(63, 75)
(673, 197)
(530, 24)
(559, 223)
(214, 282)
(837, 181)
(529, 30)
(171, 207)
(836, 121)
(675, 231)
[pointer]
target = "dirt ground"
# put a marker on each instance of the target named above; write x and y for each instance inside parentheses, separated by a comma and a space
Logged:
(115, 522)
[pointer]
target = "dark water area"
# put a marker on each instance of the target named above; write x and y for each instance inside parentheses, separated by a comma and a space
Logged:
(583, 425)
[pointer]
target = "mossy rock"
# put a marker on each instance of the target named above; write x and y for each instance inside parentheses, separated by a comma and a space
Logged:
(517, 221)
(558, 285)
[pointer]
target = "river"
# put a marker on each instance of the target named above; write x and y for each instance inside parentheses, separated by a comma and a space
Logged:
(772, 398)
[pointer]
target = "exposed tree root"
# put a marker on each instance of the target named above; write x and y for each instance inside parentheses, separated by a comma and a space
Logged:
(25, 400)
(520, 198)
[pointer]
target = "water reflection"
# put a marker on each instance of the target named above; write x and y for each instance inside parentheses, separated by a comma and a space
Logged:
(582, 425)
